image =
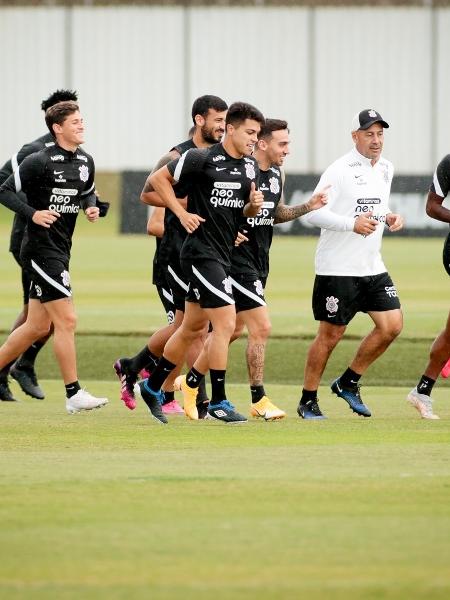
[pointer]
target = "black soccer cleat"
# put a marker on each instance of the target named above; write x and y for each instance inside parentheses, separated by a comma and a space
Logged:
(26, 378)
(310, 410)
(352, 396)
(5, 392)
(153, 400)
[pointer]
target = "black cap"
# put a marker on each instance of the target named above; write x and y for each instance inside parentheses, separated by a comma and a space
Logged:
(366, 118)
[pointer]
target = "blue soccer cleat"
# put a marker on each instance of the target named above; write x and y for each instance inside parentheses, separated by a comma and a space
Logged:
(352, 397)
(310, 410)
(224, 411)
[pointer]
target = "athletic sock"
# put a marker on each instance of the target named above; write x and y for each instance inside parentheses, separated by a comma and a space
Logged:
(169, 397)
(217, 385)
(72, 389)
(193, 378)
(425, 385)
(308, 396)
(202, 394)
(142, 360)
(26, 360)
(257, 392)
(162, 371)
(4, 372)
(349, 378)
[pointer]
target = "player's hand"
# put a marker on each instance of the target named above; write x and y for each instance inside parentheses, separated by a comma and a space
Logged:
(320, 199)
(240, 238)
(256, 197)
(92, 213)
(45, 218)
(394, 222)
(365, 224)
(191, 221)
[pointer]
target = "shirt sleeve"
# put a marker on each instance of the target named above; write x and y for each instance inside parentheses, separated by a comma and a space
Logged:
(441, 178)
(188, 164)
(23, 179)
(88, 195)
(325, 217)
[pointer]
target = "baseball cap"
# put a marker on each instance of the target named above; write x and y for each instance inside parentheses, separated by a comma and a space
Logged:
(366, 118)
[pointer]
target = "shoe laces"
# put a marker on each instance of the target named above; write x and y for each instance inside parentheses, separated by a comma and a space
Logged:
(314, 407)
(226, 404)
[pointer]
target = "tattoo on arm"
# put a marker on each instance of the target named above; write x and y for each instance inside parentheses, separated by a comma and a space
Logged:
(285, 213)
(161, 163)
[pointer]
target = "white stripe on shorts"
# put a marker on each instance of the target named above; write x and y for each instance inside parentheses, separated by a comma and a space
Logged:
(180, 282)
(167, 295)
(247, 292)
(210, 287)
(49, 280)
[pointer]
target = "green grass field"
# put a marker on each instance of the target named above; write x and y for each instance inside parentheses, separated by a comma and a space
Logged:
(113, 505)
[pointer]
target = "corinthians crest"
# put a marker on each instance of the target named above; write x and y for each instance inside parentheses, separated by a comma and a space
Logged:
(332, 304)
(84, 173)
(250, 170)
(258, 287)
(274, 185)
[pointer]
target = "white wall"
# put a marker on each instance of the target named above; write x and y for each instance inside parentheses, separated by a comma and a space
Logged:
(138, 69)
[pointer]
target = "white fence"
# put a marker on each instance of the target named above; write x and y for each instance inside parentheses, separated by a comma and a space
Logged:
(138, 69)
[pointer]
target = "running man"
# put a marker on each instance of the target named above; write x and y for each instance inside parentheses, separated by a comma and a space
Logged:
(350, 274)
(57, 181)
(208, 115)
(221, 184)
(420, 396)
(23, 368)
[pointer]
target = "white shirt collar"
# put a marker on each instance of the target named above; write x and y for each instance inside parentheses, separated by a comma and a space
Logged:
(365, 161)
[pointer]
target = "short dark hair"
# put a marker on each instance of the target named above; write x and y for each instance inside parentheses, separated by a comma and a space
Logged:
(59, 96)
(59, 112)
(271, 125)
(240, 111)
(203, 104)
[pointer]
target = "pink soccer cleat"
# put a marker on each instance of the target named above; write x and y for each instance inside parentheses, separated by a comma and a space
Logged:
(446, 369)
(126, 383)
(172, 408)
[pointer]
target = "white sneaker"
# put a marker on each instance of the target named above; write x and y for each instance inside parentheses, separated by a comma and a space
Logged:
(83, 400)
(423, 403)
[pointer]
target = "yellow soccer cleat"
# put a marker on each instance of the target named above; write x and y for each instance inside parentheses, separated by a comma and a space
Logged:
(189, 397)
(266, 410)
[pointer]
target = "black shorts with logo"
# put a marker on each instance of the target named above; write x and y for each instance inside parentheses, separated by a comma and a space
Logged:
(50, 279)
(209, 283)
(166, 297)
(248, 291)
(337, 299)
(176, 280)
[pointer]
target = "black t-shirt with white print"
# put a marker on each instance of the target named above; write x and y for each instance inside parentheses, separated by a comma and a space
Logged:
(52, 179)
(253, 256)
(218, 187)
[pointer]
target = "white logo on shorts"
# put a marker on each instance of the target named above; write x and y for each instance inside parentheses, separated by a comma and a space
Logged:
(170, 317)
(65, 278)
(259, 288)
(227, 285)
(197, 293)
(38, 291)
(332, 304)
(391, 291)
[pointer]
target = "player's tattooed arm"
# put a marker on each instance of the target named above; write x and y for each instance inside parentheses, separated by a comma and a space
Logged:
(285, 213)
(148, 194)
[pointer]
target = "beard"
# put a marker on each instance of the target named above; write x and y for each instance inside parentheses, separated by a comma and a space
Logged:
(210, 135)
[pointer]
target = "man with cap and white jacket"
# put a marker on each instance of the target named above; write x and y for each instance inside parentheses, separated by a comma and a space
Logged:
(350, 274)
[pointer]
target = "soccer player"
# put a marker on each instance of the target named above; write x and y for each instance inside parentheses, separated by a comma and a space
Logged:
(250, 259)
(208, 115)
(57, 181)
(221, 184)
(350, 274)
(23, 368)
(420, 396)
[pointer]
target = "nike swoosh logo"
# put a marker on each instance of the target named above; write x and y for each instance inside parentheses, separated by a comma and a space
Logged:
(57, 172)
(357, 176)
(220, 169)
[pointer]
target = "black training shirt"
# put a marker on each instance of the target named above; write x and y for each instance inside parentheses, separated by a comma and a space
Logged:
(441, 178)
(218, 188)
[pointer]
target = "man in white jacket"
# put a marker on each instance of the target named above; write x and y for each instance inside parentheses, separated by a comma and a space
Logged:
(350, 274)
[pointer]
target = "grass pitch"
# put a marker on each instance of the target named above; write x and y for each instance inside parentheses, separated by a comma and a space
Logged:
(110, 504)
